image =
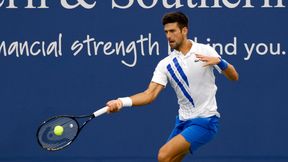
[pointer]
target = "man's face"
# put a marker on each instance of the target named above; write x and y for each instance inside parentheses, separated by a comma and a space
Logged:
(175, 35)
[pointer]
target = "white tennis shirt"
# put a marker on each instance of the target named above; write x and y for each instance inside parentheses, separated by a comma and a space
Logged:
(194, 84)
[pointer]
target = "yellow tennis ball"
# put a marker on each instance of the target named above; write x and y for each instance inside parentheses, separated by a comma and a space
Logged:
(58, 130)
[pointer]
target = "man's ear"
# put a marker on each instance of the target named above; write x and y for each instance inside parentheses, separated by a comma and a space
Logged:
(185, 30)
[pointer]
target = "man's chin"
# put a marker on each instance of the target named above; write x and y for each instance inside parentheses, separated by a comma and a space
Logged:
(173, 47)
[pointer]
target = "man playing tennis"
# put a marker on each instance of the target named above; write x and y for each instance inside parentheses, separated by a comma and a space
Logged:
(189, 69)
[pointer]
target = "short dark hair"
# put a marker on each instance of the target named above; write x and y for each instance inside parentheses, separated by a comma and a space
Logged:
(178, 17)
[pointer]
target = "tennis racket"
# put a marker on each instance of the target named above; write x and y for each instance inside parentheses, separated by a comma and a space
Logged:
(70, 128)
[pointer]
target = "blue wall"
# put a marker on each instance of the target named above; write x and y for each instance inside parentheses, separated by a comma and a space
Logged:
(33, 88)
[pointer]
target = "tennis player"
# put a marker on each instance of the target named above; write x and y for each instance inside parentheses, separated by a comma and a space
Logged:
(189, 70)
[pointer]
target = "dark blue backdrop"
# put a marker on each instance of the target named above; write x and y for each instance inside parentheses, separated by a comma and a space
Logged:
(33, 88)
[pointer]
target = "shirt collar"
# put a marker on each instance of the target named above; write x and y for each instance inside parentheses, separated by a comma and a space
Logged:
(189, 53)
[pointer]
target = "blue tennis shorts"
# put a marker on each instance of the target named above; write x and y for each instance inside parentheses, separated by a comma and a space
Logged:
(197, 132)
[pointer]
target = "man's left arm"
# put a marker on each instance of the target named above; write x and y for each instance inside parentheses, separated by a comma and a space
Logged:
(227, 69)
(231, 73)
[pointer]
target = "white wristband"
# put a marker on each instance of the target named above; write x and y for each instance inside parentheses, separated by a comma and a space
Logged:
(126, 101)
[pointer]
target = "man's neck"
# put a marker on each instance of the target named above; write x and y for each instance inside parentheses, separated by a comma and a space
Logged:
(187, 45)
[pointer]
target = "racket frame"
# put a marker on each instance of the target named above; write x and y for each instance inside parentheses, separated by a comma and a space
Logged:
(90, 117)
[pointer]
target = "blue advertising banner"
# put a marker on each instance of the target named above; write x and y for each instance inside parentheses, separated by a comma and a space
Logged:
(72, 56)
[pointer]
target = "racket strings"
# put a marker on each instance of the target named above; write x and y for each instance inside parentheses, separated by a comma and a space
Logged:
(50, 141)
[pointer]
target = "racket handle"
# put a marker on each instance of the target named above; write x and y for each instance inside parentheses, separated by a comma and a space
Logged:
(100, 111)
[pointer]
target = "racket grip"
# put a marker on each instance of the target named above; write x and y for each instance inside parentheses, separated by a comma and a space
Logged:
(100, 111)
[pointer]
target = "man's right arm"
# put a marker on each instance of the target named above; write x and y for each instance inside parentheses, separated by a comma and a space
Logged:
(139, 99)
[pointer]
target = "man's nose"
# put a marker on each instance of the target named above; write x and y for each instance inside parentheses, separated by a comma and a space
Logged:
(168, 35)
